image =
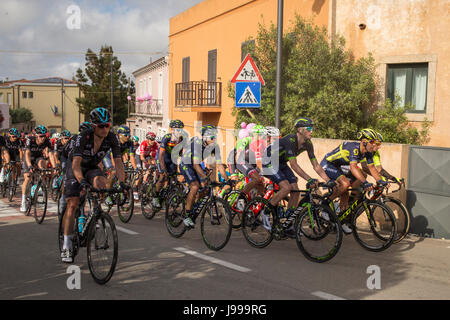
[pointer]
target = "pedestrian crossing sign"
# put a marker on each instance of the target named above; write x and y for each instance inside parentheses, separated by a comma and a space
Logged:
(248, 94)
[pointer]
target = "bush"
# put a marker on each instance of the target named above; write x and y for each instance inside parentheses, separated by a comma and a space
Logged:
(20, 115)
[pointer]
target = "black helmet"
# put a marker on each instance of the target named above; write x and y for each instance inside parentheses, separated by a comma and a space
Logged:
(176, 124)
(40, 129)
(303, 122)
(65, 133)
(85, 126)
(100, 115)
(208, 129)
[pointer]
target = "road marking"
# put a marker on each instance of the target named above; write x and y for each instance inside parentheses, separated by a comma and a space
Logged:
(326, 296)
(214, 260)
(126, 230)
(3, 215)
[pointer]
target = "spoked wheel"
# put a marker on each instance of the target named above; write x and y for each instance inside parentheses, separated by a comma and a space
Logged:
(39, 203)
(175, 214)
(102, 247)
(237, 202)
(148, 211)
(216, 224)
(257, 222)
(402, 217)
(374, 226)
(318, 233)
(12, 184)
(125, 205)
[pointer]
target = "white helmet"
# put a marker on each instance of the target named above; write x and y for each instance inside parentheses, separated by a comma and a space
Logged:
(56, 135)
(272, 132)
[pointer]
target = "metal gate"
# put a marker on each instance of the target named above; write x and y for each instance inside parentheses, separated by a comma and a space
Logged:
(428, 195)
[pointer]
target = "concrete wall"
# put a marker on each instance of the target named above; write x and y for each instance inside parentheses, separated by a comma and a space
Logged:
(404, 31)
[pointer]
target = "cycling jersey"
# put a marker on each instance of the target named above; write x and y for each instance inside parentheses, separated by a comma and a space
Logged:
(37, 150)
(84, 147)
(286, 149)
(168, 144)
(127, 147)
(246, 157)
(58, 147)
(376, 159)
(148, 150)
(13, 148)
(258, 147)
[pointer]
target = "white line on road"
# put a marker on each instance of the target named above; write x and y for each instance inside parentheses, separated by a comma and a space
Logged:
(126, 230)
(214, 260)
(3, 215)
(326, 296)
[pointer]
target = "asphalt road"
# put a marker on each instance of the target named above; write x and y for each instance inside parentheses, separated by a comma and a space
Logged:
(154, 265)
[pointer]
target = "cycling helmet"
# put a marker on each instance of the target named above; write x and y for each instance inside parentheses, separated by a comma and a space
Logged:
(208, 130)
(303, 122)
(56, 135)
(100, 115)
(40, 129)
(85, 126)
(380, 137)
(65, 134)
(367, 134)
(258, 130)
(135, 138)
(272, 132)
(176, 124)
(150, 135)
(123, 130)
(14, 132)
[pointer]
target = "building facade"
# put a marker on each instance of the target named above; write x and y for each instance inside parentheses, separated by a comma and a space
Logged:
(51, 100)
(150, 107)
(407, 38)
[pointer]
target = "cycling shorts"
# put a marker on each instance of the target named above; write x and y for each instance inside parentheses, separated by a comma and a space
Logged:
(170, 167)
(283, 173)
(189, 173)
(72, 187)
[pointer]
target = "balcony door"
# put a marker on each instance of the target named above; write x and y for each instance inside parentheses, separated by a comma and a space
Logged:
(212, 77)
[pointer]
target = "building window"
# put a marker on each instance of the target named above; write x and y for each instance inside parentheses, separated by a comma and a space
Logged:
(160, 86)
(30, 95)
(150, 87)
(24, 94)
(1, 97)
(247, 47)
(8, 96)
(186, 71)
(409, 82)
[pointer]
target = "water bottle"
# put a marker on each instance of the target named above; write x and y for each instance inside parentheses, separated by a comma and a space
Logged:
(33, 189)
(81, 221)
(281, 213)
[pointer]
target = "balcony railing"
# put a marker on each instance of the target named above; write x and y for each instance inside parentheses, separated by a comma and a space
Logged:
(149, 108)
(198, 94)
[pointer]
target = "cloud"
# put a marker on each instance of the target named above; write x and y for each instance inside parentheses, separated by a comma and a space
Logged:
(40, 26)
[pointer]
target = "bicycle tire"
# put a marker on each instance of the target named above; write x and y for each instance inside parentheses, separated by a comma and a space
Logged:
(28, 199)
(125, 218)
(402, 232)
(38, 215)
(93, 238)
(173, 219)
(146, 201)
(369, 223)
(236, 212)
(12, 184)
(250, 223)
(211, 217)
(319, 226)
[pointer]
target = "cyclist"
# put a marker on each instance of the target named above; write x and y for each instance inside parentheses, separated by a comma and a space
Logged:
(285, 151)
(351, 153)
(164, 157)
(147, 152)
(12, 151)
(199, 150)
(36, 149)
(82, 169)
(55, 154)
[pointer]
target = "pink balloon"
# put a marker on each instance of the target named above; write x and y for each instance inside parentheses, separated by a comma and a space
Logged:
(243, 133)
(129, 98)
(250, 126)
(243, 125)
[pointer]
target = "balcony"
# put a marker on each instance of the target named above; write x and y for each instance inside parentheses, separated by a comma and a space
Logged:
(148, 108)
(200, 96)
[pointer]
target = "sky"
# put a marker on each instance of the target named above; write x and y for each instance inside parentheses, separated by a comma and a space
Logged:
(47, 38)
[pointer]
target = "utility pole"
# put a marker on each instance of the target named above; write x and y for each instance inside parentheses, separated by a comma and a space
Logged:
(128, 94)
(112, 92)
(279, 70)
(62, 105)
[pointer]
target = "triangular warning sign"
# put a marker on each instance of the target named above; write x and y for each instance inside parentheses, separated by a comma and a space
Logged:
(248, 97)
(248, 71)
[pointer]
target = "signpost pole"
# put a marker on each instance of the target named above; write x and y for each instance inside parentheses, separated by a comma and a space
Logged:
(279, 53)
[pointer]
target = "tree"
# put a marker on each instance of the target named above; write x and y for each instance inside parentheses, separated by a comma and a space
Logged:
(321, 80)
(95, 83)
(20, 115)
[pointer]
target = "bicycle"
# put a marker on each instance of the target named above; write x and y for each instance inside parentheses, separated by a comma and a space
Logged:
(36, 194)
(124, 201)
(215, 216)
(11, 176)
(400, 211)
(56, 183)
(97, 234)
(311, 220)
(375, 230)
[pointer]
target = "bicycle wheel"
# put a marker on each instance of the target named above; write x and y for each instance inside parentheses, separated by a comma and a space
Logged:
(102, 248)
(40, 203)
(125, 205)
(148, 211)
(175, 214)
(402, 217)
(215, 224)
(12, 178)
(318, 233)
(257, 228)
(374, 226)
(54, 191)
(237, 202)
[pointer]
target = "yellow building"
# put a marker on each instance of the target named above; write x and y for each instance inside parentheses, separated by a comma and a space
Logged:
(52, 101)
(205, 50)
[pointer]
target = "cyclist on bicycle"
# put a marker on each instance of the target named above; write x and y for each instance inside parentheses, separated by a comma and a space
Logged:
(55, 154)
(200, 150)
(351, 153)
(12, 151)
(164, 157)
(36, 149)
(145, 156)
(82, 169)
(285, 152)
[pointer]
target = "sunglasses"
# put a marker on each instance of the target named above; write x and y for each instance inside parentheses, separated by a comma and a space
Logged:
(103, 126)
(378, 143)
(42, 136)
(309, 129)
